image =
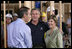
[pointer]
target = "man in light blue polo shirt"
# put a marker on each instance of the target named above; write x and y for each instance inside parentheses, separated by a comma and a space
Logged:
(19, 34)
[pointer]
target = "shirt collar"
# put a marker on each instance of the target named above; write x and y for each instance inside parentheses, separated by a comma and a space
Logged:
(55, 28)
(39, 21)
(19, 19)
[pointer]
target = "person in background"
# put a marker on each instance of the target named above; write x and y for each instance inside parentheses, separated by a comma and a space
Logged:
(15, 16)
(64, 28)
(19, 34)
(38, 28)
(43, 15)
(8, 19)
(54, 37)
(44, 19)
(69, 28)
(48, 11)
(69, 23)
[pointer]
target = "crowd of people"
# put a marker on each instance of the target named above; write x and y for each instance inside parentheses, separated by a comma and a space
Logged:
(23, 32)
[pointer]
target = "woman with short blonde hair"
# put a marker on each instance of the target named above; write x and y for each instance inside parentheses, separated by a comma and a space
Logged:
(53, 36)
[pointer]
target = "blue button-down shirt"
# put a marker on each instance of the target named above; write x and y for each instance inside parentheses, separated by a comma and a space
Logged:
(19, 35)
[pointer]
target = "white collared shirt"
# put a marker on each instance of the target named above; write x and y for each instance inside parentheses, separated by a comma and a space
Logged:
(19, 35)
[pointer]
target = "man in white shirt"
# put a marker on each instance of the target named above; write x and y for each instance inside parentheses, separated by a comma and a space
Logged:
(19, 34)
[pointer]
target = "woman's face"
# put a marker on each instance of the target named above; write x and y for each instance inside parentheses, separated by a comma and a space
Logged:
(51, 23)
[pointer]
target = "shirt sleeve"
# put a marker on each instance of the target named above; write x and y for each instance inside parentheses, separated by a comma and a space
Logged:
(28, 39)
(59, 40)
(46, 27)
(20, 39)
(25, 38)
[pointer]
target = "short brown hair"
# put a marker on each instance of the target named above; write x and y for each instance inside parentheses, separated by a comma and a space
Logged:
(21, 11)
(54, 18)
(36, 9)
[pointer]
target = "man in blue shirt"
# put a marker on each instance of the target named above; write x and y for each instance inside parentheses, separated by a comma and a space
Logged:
(19, 34)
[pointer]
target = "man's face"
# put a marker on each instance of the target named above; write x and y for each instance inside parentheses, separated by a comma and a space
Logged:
(28, 16)
(35, 15)
(8, 20)
(15, 18)
(29, 13)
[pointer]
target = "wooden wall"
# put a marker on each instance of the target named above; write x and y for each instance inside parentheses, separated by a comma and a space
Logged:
(66, 7)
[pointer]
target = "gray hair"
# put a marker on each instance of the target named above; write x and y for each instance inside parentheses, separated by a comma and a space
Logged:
(36, 9)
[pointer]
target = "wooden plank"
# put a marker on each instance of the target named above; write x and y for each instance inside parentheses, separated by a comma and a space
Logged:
(5, 42)
(27, 4)
(46, 16)
(33, 4)
(60, 13)
(19, 4)
(51, 6)
(41, 6)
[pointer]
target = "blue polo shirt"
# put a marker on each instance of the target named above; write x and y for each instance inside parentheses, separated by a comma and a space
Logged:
(38, 31)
